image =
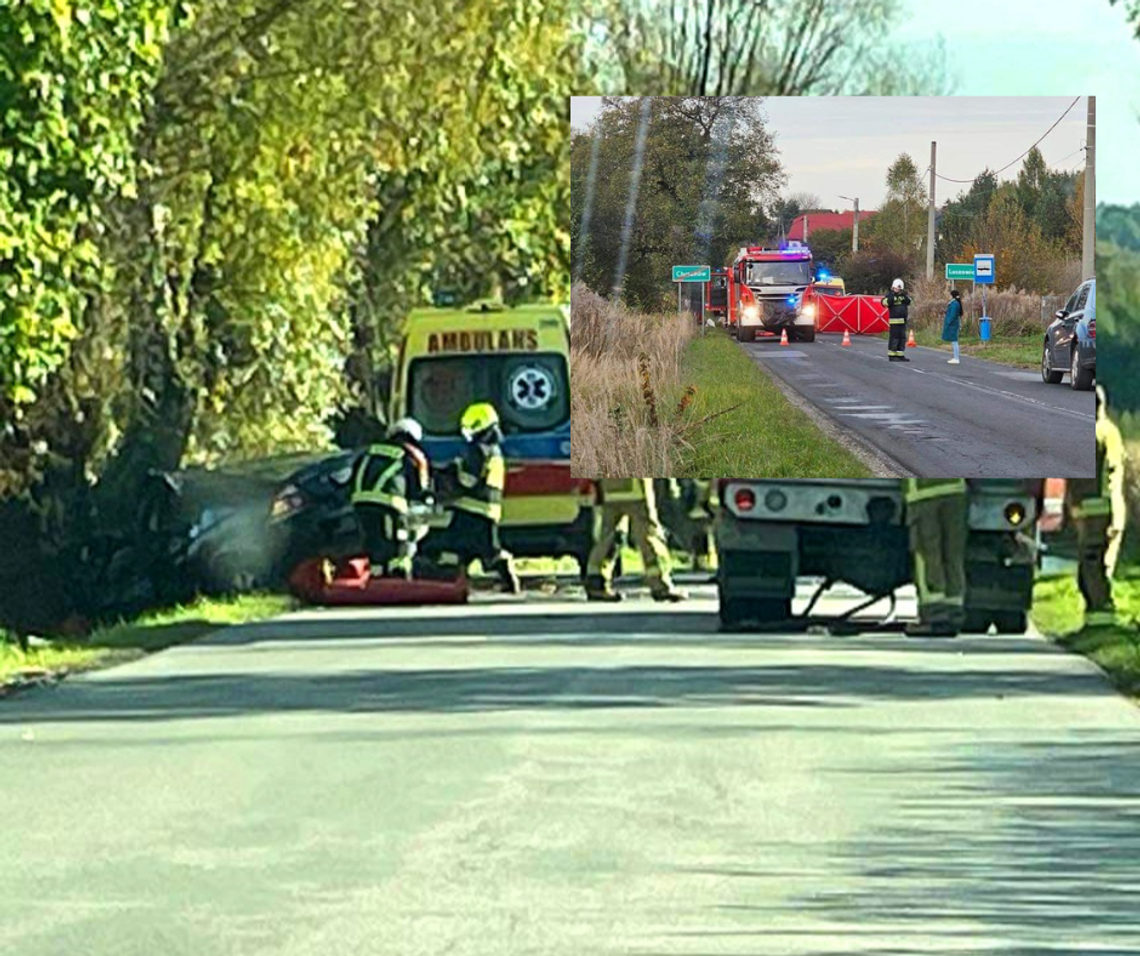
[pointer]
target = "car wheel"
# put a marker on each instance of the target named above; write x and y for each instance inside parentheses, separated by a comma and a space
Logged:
(806, 335)
(746, 335)
(1080, 378)
(1049, 375)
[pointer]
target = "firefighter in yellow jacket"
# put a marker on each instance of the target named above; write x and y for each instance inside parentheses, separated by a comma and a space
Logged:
(937, 512)
(620, 500)
(477, 511)
(1097, 508)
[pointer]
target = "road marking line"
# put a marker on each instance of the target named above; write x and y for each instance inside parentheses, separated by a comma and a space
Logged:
(984, 388)
(1000, 391)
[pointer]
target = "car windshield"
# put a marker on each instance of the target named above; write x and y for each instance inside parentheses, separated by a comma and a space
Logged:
(779, 273)
(529, 391)
(827, 290)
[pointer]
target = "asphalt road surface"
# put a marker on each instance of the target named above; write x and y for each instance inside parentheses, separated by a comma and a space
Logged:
(974, 420)
(541, 779)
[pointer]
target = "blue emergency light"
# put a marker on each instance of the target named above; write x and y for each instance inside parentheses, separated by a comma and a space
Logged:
(823, 274)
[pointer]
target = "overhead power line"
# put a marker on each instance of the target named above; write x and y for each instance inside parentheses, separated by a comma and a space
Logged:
(981, 192)
(1023, 155)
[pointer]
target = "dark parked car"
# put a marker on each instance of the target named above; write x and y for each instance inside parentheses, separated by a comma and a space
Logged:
(1070, 340)
(208, 531)
(311, 515)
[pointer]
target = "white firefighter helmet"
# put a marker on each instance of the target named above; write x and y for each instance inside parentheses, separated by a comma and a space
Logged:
(897, 285)
(409, 427)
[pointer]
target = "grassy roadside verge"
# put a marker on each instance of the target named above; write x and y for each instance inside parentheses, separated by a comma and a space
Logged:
(1022, 351)
(128, 640)
(1057, 613)
(766, 436)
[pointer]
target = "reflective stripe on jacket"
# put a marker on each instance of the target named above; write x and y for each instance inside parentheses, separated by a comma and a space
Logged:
(921, 489)
(482, 472)
(896, 303)
(379, 478)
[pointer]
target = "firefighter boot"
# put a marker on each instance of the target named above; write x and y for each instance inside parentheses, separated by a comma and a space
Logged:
(508, 579)
(670, 594)
(598, 589)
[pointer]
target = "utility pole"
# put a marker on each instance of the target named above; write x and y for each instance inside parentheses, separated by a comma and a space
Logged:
(805, 229)
(1088, 257)
(855, 224)
(930, 221)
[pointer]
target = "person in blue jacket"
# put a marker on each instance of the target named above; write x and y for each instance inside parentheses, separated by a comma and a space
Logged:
(950, 323)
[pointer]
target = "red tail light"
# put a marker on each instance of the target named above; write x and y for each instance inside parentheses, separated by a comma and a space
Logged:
(1092, 328)
(745, 499)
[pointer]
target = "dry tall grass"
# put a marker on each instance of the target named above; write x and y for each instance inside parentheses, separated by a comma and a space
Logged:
(625, 370)
(1014, 311)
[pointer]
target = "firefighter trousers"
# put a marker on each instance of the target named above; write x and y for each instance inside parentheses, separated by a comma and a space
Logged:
(471, 536)
(896, 340)
(646, 530)
(938, 532)
(1093, 570)
(387, 540)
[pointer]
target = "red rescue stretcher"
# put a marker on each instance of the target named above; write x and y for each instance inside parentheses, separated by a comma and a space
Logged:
(349, 582)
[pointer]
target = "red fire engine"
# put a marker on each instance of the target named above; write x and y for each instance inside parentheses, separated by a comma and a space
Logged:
(766, 293)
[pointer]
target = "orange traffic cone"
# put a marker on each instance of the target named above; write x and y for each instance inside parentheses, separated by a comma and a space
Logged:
(910, 342)
(846, 337)
(784, 337)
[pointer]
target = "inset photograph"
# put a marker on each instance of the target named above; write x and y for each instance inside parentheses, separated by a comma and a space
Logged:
(833, 287)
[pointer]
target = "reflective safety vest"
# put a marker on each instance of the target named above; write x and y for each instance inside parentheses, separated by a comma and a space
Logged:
(922, 489)
(379, 478)
(483, 474)
(620, 490)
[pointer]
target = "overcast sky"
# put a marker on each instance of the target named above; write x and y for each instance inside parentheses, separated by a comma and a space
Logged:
(1014, 47)
(832, 146)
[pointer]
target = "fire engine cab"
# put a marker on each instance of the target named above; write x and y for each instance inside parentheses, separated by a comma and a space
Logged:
(766, 293)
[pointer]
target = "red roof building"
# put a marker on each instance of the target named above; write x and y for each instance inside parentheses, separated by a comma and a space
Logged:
(825, 220)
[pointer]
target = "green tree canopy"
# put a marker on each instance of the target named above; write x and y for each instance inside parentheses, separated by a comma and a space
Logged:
(900, 225)
(709, 167)
(215, 213)
(753, 47)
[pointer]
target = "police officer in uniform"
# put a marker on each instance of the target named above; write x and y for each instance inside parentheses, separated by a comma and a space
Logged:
(1096, 506)
(478, 510)
(936, 515)
(386, 480)
(897, 303)
(621, 500)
